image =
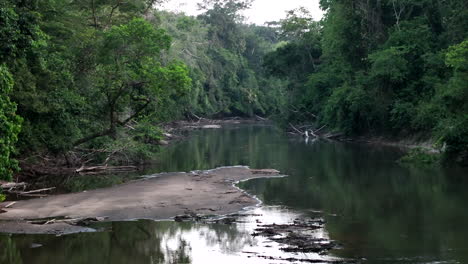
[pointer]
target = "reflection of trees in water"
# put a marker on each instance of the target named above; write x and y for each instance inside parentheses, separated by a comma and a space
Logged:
(135, 241)
(124, 242)
(229, 238)
(8, 251)
(377, 200)
(249, 145)
(380, 203)
(180, 255)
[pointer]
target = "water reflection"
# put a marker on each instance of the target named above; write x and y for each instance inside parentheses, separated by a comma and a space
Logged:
(377, 209)
(157, 242)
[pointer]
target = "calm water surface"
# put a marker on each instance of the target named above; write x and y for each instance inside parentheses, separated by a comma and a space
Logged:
(377, 210)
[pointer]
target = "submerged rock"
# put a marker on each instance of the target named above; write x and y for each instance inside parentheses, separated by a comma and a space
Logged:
(297, 237)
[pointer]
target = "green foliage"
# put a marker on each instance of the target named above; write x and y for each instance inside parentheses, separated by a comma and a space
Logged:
(10, 126)
(386, 67)
(19, 30)
(225, 62)
(294, 59)
(102, 74)
(457, 57)
(389, 64)
(349, 109)
(421, 157)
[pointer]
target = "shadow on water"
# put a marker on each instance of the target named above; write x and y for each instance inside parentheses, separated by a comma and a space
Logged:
(378, 210)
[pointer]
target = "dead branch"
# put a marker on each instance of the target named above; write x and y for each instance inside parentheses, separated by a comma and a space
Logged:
(105, 168)
(12, 185)
(197, 117)
(261, 118)
(320, 129)
(9, 205)
(37, 191)
(295, 129)
(313, 133)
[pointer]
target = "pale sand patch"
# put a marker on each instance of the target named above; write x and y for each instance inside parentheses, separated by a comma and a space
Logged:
(161, 197)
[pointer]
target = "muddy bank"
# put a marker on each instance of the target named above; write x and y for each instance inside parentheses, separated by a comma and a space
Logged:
(161, 196)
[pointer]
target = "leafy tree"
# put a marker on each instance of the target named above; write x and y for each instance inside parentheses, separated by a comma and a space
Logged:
(10, 126)
(129, 75)
(19, 34)
(391, 67)
(296, 58)
(225, 60)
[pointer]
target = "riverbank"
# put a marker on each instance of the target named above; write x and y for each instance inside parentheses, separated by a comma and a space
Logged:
(158, 197)
(37, 167)
(419, 149)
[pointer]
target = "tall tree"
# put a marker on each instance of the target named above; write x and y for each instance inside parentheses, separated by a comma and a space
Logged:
(129, 76)
(19, 34)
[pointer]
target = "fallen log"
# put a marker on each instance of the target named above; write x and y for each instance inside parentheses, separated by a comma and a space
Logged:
(261, 118)
(71, 221)
(9, 205)
(12, 185)
(33, 195)
(314, 133)
(105, 168)
(320, 129)
(295, 129)
(37, 191)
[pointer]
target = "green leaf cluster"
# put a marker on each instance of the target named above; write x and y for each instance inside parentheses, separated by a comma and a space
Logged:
(10, 126)
(101, 75)
(391, 67)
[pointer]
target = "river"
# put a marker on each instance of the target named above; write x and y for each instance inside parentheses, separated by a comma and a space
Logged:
(376, 210)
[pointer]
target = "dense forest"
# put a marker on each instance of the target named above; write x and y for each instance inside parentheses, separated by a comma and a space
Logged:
(392, 67)
(90, 79)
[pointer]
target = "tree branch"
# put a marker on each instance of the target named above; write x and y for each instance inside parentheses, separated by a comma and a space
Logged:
(93, 7)
(137, 112)
(119, 2)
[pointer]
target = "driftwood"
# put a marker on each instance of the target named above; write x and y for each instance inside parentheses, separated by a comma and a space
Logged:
(37, 191)
(314, 133)
(12, 185)
(297, 130)
(9, 205)
(261, 118)
(71, 221)
(105, 168)
(14, 188)
(32, 193)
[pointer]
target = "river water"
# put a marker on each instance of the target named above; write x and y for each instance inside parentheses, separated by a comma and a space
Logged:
(375, 209)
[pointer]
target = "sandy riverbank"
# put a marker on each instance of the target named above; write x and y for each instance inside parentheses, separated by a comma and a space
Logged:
(162, 196)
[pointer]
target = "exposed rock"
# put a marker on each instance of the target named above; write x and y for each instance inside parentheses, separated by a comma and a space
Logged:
(297, 237)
